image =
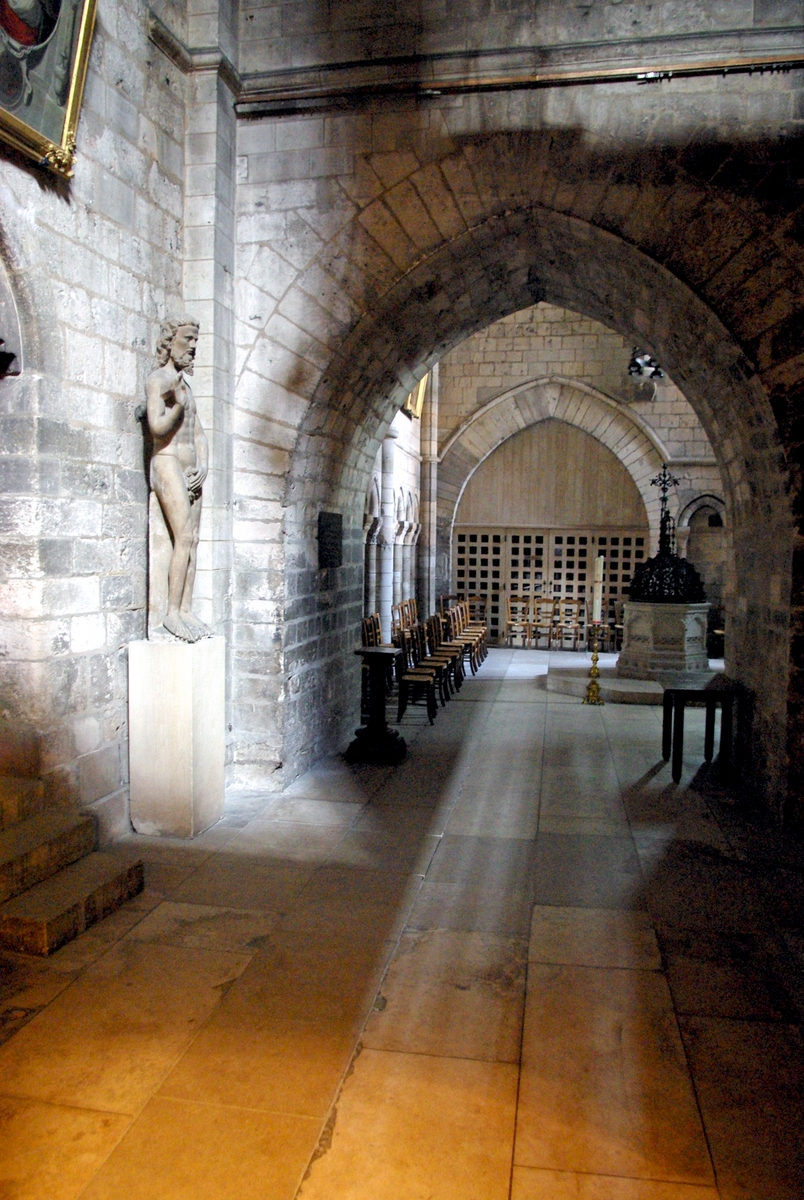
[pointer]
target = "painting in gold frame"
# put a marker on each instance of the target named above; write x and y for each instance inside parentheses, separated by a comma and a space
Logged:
(415, 402)
(44, 54)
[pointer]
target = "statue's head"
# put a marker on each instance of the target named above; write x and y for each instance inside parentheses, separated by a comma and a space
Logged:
(177, 341)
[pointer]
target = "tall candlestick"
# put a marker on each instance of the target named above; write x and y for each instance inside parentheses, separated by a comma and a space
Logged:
(598, 576)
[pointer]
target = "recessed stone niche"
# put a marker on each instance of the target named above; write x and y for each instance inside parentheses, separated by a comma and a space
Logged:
(663, 639)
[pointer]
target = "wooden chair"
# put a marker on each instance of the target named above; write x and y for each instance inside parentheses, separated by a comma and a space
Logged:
(543, 620)
(518, 619)
(476, 625)
(433, 661)
(468, 640)
(569, 622)
(453, 654)
(477, 609)
(442, 634)
(416, 683)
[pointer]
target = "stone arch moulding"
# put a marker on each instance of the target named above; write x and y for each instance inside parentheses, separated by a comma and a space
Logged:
(635, 446)
(503, 262)
(704, 500)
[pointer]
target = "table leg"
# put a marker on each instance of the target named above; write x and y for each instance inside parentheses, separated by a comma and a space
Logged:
(667, 724)
(726, 719)
(709, 730)
(678, 735)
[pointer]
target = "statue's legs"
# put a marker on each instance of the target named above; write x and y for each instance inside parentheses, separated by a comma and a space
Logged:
(188, 616)
(167, 480)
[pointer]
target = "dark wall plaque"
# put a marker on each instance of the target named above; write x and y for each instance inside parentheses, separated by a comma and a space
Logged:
(330, 540)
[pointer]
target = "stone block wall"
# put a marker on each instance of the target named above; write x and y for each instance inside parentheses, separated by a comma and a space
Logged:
(293, 35)
(544, 341)
(547, 343)
(93, 267)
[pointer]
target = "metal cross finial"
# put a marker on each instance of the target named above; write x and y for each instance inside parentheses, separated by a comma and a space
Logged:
(664, 481)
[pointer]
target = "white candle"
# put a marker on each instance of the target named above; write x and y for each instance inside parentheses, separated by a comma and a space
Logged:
(597, 598)
(599, 569)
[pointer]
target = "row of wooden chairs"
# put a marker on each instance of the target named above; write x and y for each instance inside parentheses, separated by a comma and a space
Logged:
(538, 620)
(403, 616)
(535, 620)
(435, 655)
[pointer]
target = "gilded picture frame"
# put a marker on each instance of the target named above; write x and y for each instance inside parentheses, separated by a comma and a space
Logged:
(44, 55)
(415, 402)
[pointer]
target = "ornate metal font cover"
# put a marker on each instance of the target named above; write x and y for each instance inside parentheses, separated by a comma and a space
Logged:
(666, 579)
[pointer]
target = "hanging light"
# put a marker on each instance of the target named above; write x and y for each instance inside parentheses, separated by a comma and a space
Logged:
(644, 365)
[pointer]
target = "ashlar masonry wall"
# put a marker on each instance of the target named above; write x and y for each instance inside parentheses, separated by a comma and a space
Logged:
(93, 267)
(544, 342)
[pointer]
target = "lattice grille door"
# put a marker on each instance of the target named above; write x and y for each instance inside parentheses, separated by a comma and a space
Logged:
(495, 563)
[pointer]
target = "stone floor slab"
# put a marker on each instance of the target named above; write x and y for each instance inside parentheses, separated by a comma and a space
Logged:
(530, 1184)
(605, 1087)
(454, 994)
(591, 937)
(107, 1040)
(748, 1078)
(181, 1151)
(51, 1150)
(414, 1125)
(204, 927)
(583, 871)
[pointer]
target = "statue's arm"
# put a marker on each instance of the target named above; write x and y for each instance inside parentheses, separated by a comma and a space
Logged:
(162, 418)
(196, 477)
(201, 448)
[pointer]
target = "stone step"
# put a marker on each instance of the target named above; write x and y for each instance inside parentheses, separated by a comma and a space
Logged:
(55, 912)
(19, 751)
(33, 850)
(19, 799)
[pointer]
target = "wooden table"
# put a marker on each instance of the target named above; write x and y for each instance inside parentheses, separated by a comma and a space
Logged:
(374, 742)
(676, 697)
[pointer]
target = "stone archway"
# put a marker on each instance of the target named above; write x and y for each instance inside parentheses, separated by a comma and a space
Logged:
(504, 263)
(576, 403)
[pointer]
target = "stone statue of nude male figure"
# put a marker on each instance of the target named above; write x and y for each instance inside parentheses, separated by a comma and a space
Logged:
(179, 464)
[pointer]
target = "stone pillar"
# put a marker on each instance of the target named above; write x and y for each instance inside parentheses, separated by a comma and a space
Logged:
(399, 558)
(426, 556)
(370, 577)
(387, 535)
(407, 550)
(208, 244)
(409, 561)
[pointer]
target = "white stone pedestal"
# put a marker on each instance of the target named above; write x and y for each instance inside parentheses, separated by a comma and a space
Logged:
(176, 735)
(662, 639)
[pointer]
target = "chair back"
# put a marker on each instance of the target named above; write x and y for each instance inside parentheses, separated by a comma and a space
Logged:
(408, 648)
(397, 621)
(476, 606)
(518, 609)
(544, 611)
(569, 613)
